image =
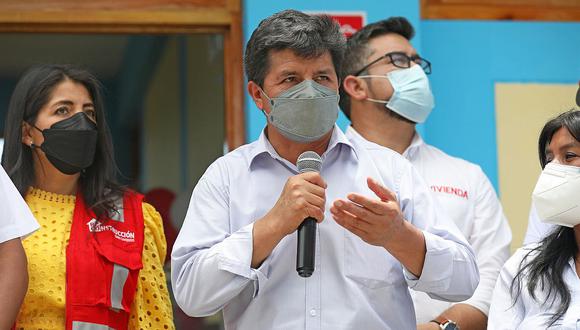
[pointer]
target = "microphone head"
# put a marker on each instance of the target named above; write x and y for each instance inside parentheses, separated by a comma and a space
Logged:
(309, 161)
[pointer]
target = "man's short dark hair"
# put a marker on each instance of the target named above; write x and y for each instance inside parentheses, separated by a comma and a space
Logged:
(357, 50)
(309, 36)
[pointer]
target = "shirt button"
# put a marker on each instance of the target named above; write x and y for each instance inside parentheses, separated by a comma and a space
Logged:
(312, 312)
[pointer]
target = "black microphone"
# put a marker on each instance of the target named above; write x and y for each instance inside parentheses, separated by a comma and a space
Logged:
(308, 161)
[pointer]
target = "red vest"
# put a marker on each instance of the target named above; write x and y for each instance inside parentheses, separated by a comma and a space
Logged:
(103, 260)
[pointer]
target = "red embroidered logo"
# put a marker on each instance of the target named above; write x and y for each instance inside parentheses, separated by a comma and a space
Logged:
(97, 227)
(451, 190)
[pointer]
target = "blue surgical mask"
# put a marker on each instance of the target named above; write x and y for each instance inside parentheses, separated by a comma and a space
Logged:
(412, 97)
(304, 112)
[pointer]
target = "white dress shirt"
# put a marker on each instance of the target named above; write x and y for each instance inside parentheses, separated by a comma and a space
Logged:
(464, 193)
(16, 220)
(354, 285)
(537, 229)
(527, 313)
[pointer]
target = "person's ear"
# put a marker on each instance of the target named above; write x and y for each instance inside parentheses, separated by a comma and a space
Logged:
(355, 87)
(27, 134)
(578, 95)
(257, 95)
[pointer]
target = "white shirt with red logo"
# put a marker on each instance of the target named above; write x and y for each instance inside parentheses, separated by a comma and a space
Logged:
(465, 193)
(16, 220)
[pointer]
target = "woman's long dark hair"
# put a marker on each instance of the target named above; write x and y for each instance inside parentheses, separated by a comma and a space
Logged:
(33, 91)
(544, 265)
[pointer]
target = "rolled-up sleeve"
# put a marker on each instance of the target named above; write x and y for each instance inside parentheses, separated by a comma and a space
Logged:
(450, 270)
(16, 220)
(490, 239)
(210, 264)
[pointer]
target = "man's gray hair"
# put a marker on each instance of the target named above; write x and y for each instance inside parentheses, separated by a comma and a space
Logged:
(308, 36)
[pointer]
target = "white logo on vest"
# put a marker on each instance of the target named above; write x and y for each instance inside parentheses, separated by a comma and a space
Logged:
(97, 227)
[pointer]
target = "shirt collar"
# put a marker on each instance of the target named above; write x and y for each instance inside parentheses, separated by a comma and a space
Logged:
(572, 264)
(416, 143)
(263, 146)
(352, 133)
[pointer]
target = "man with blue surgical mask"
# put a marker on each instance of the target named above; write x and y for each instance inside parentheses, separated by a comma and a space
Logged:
(385, 94)
(378, 230)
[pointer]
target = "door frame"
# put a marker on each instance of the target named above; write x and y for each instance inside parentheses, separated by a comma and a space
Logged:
(145, 17)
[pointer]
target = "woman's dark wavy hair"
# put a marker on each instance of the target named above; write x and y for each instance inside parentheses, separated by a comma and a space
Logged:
(544, 265)
(33, 91)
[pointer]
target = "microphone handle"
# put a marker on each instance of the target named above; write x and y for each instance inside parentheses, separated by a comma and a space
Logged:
(306, 250)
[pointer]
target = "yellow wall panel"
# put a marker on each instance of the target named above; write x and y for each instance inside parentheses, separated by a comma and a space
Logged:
(521, 112)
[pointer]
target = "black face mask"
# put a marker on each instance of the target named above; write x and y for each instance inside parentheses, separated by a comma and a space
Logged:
(70, 144)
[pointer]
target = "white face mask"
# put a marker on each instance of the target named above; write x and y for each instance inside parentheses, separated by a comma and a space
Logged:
(557, 195)
(412, 97)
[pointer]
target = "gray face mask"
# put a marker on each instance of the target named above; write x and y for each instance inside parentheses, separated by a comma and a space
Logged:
(305, 112)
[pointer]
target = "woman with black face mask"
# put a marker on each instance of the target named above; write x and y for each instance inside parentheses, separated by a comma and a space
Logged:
(97, 260)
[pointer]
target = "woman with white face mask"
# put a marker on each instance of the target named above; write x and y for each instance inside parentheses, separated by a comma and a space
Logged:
(539, 287)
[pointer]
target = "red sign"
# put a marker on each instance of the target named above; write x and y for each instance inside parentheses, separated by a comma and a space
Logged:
(349, 22)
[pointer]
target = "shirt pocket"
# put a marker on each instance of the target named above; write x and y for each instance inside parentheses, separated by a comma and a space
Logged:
(368, 265)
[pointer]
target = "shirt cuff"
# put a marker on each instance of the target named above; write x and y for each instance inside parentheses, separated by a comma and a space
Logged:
(236, 258)
(481, 298)
(437, 268)
(262, 275)
(482, 306)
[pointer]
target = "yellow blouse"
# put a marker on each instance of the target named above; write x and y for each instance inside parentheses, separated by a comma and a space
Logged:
(44, 304)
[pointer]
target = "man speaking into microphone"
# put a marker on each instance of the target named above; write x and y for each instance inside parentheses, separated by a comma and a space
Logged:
(376, 230)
